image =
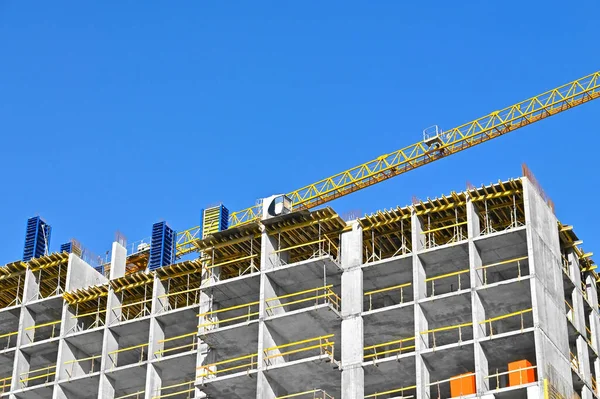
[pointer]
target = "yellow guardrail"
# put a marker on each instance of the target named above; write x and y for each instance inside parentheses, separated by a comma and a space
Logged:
(8, 335)
(206, 369)
(188, 384)
(506, 316)
(192, 346)
(594, 385)
(116, 352)
(387, 289)
(5, 383)
(144, 310)
(327, 295)
(386, 350)
(458, 327)
(324, 346)
(504, 262)
(241, 318)
(393, 391)
(445, 276)
(314, 394)
(132, 395)
(38, 326)
(194, 299)
(37, 377)
(448, 380)
(498, 375)
(74, 361)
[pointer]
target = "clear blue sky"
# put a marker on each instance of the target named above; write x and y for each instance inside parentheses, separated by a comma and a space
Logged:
(116, 115)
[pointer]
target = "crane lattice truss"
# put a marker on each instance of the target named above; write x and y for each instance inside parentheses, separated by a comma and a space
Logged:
(403, 160)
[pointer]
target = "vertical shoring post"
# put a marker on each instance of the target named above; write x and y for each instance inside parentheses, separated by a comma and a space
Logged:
(373, 243)
(168, 292)
(252, 255)
(403, 241)
(487, 217)
(321, 250)
(18, 290)
(58, 280)
(514, 215)
(278, 248)
(40, 283)
(457, 231)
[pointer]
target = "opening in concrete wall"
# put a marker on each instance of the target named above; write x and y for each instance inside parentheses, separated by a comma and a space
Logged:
(128, 343)
(388, 283)
(42, 321)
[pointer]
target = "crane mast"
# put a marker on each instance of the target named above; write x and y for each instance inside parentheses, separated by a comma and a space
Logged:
(436, 144)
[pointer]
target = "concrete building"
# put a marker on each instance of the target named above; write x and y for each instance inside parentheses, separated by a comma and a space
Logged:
(431, 300)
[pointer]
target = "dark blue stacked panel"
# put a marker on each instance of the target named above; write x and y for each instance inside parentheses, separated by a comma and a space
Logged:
(162, 246)
(37, 238)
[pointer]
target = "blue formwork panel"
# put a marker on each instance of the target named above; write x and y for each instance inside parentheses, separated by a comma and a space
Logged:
(66, 247)
(37, 238)
(162, 246)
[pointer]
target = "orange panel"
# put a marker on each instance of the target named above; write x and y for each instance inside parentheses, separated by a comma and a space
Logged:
(520, 376)
(462, 385)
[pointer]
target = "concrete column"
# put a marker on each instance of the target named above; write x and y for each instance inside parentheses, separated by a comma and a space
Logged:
(594, 321)
(592, 292)
(547, 292)
(106, 389)
(269, 257)
(153, 381)
(584, 360)
(586, 393)
(535, 392)
(578, 311)
(473, 222)
(353, 376)
(118, 260)
(156, 335)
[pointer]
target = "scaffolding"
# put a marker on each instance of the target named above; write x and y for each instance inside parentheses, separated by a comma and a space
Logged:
(181, 283)
(305, 235)
(443, 220)
(51, 274)
(386, 234)
(12, 283)
(88, 307)
(135, 296)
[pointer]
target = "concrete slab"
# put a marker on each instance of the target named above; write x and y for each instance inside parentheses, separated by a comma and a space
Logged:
(389, 324)
(307, 323)
(519, 392)
(307, 274)
(84, 387)
(88, 342)
(37, 392)
(128, 379)
(447, 363)
(41, 353)
(502, 245)
(501, 350)
(234, 386)
(6, 362)
(445, 258)
(9, 323)
(177, 369)
(390, 373)
(505, 298)
(300, 376)
(384, 274)
(235, 291)
(233, 341)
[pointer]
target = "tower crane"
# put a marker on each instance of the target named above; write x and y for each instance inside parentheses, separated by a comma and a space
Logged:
(436, 144)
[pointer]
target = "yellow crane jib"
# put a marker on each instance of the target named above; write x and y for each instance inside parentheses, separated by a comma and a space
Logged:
(436, 144)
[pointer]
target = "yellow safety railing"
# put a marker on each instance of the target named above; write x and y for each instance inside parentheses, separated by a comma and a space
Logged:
(98, 319)
(498, 375)
(136, 395)
(446, 381)
(458, 327)
(565, 264)
(194, 299)
(5, 383)
(399, 287)
(314, 394)
(323, 345)
(572, 316)
(504, 262)
(519, 313)
(126, 313)
(249, 363)
(52, 324)
(314, 294)
(594, 385)
(8, 335)
(393, 391)
(387, 348)
(192, 346)
(458, 234)
(75, 361)
(589, 336)
(574, 362)
(113, 355)
(215, 322)
(189, 388)
(322, 250)
(445, 276)
(26, 376)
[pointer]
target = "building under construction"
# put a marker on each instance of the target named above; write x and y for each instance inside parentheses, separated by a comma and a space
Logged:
(480, 293)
